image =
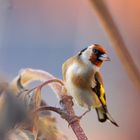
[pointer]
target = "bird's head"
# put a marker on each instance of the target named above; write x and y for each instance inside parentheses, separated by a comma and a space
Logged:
(95, 54)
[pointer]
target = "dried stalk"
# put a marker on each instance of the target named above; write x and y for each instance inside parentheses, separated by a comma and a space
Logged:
(117, 41)
(66, 103)
(66, 112)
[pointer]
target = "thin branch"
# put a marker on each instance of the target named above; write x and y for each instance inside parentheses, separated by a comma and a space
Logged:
(117, 41)
(68, 114)
(50, 108)
(38, 87)
(67, 105)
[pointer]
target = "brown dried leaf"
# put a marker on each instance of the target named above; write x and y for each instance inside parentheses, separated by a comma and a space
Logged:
(30, 75)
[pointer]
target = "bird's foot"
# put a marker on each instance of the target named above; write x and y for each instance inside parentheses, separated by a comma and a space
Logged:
(80, 117)
(73, 119)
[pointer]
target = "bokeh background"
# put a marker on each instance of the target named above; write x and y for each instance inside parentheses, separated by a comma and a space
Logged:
(42, 34)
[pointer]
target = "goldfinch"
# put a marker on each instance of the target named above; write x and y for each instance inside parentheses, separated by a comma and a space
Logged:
(83, 80)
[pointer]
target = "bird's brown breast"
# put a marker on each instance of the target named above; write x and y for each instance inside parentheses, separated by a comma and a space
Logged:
(82, 80)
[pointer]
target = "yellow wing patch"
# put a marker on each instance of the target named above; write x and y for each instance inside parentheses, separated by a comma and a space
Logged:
(102, 93)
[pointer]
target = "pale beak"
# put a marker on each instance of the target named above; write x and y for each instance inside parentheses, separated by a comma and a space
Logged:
(104, 57)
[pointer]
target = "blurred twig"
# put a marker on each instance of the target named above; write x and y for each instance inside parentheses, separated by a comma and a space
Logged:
(117, 41)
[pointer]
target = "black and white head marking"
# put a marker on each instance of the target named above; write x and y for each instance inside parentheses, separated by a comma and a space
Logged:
(82, 51)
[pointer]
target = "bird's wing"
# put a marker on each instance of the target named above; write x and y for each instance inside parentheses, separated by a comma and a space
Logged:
(64, 69)
(99, 88)
(65, 66)
(102, 111)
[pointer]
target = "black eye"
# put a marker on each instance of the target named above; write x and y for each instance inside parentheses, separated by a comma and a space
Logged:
(95, 51)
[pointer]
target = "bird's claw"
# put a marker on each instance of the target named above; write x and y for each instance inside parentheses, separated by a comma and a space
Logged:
(73, 119)
(80, 117)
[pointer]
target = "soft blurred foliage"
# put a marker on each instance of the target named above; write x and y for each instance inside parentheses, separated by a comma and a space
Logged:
(18, 120)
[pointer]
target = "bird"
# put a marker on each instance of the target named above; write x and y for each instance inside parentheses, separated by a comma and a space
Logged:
(83, 80)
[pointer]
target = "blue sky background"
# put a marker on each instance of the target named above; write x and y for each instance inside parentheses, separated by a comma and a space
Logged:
(43, 34)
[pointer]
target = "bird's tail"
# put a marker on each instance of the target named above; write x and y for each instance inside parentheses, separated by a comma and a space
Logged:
(104, 115)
